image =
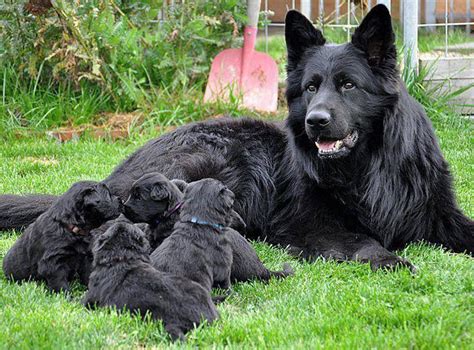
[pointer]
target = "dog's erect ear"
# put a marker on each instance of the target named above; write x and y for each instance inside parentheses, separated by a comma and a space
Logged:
(300, 35)
(158, 193)
(375, 36)
(180, 184)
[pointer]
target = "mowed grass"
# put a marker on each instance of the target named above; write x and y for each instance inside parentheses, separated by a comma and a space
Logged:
(325, 305)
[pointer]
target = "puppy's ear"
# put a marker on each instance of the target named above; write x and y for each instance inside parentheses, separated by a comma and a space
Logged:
(376, 38)
(159, 193)
(180, 184)
(101, 241)
(300, 34)
(237, 223)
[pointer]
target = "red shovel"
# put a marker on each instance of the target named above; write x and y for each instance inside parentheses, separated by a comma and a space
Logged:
(244, 73)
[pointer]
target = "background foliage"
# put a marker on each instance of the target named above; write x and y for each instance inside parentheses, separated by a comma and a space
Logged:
(119, 53)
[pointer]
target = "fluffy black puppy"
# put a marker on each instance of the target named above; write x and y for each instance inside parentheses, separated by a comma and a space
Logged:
(157, 201)
(199, 247)
(122, 276)
(56, 246)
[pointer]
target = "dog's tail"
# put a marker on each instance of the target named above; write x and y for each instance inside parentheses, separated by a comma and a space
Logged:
(17, 212)
(285, 272)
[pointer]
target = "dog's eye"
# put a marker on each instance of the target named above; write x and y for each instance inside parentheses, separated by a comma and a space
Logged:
(311, 89)
(348, 85)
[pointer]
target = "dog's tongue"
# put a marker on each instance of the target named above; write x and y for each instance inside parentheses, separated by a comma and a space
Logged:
(326, 145)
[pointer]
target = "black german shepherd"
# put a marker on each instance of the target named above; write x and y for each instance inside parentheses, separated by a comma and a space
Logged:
(356, 171)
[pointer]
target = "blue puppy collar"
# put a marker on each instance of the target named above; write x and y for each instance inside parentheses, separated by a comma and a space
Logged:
(196, 220)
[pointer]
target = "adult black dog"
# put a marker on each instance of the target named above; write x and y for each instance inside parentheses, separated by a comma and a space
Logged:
(356, 172)
(122, 276)
(157, 201)
(56, 246)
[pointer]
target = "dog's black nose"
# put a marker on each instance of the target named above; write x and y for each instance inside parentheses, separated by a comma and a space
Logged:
(318, 119)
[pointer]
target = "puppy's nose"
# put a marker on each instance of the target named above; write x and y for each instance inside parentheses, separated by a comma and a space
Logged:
(318, 119)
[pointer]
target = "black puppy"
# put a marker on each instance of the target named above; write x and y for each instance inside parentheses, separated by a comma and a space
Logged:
(122, 276)
(157, 201)
(56, 246)
(199, 248)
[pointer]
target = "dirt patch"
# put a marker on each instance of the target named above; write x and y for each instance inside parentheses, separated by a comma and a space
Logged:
(111, 125)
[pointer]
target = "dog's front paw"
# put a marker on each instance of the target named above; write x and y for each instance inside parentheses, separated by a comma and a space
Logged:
(391, 263)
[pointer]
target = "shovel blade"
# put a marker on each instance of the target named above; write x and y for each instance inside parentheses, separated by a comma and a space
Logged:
(255, 85)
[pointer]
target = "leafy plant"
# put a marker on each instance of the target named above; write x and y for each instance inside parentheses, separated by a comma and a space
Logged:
(131, 50)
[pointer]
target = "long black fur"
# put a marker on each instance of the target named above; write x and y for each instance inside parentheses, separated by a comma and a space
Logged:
(155, 200)
(388, 189)
(55, 248)
(18, 212)
(123, 277)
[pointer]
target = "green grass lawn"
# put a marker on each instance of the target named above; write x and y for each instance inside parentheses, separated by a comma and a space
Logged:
(325, 304)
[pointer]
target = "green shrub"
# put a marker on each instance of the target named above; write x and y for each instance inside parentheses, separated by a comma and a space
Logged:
(120, 47)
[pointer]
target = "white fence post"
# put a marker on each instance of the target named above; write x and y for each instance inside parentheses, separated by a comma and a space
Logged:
(410, 32)
(430, 13)
(306, 8)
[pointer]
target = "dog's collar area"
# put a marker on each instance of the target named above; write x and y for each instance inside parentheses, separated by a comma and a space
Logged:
(111, 261)
(167, 214)
(196, 220)
(76, 229)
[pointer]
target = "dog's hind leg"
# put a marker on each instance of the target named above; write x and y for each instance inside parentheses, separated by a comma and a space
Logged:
(84, 270)
(455, 232)
(56, 275)
(246, 265)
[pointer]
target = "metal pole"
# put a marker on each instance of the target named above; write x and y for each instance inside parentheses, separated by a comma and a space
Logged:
(388, 3)
(430, 13)
(451, 11)
(266, 26)
(468, 16)
(337, 11)
(306, 8)
(348, 28)
(446, 33)
(293, 5)
(401, 12)
(321, 13)
(410, 32)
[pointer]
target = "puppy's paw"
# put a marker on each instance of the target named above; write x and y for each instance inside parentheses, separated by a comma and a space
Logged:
(390, 263)
(60, 288)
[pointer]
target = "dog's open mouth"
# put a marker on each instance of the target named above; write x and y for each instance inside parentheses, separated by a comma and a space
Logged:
(336, 148)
